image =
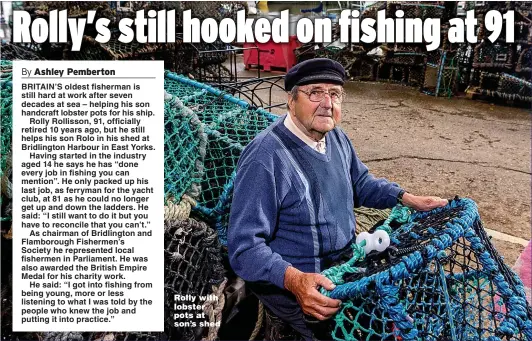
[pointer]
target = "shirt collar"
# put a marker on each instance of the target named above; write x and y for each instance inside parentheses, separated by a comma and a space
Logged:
(318, 146)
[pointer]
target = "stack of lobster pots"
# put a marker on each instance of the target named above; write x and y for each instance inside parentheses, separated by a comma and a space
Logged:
(502, 69)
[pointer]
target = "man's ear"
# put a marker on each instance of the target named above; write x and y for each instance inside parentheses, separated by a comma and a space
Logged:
(290, 102)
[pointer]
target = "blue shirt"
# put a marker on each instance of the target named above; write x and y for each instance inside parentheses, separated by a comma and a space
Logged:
(294, 206)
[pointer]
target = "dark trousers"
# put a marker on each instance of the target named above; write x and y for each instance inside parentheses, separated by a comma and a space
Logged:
(283, 305)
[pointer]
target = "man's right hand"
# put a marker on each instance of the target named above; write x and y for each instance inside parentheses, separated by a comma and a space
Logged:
(305, 287)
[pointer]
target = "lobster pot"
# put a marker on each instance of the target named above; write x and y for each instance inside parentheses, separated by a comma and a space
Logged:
(488, 55)
(524, 63)
(372, 10)
(523, 32)
(185, 143)
(441, 280)
(464, 57)
(416, 10)
(215, 10)
(431, 78)
(406, 58)
(384, 72)
(434, 57)
(243, 125)
(232, 117)
(204, 61)
(227, 125)
(217, 183)
(416, 76)
(21, 51)
(116, 50)
(515, 88)
(489, 81)
(367, 69)
(439, 81)
(305, 52)
(193, 265)
(210, 104)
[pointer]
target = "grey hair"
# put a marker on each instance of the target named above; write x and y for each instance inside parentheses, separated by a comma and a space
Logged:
(294, 94)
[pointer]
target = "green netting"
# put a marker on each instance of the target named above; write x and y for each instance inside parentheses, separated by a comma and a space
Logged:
(440, 279)
(440, 78)
(220, 165)
(229, 125)
(210, 104)
(184, 150)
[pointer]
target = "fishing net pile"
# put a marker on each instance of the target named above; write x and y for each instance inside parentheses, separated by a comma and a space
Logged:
(205, 133)
(440, 279)
(193, 267)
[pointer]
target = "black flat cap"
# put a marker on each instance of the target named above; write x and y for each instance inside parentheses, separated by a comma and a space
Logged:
(317, 70)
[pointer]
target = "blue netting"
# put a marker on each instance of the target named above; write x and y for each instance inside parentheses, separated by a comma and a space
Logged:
(440, 280)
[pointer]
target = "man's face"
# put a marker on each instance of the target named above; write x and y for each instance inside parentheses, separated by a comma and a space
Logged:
(316, 119)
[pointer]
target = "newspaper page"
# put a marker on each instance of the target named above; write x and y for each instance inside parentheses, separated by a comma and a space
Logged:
(241, 170)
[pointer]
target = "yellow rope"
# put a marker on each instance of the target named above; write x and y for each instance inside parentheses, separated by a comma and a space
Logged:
(179, 211)
(258, 325)
(214, 310)
(368, 217)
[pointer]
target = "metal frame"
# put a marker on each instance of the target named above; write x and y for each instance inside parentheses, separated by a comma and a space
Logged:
(249, 89)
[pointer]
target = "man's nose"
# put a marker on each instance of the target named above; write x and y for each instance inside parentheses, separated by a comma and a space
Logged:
(326, 102)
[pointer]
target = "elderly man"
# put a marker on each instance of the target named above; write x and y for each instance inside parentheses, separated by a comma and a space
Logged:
(296, 186)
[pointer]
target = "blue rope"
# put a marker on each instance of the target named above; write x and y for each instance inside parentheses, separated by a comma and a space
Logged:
(516, 319)
(447, 302)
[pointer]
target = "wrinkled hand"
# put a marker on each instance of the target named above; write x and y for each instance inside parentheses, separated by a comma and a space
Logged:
(420, 203)
(305, 287)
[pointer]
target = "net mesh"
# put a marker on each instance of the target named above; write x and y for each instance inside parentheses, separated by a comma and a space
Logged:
(193, 265)
(116, 50)
(441, 279)
(228, 124)
(440, 78)
(19, 52)
(215, 10)
(514, 88)
(493, 55)
(74, 8)
(524, 64)
(184, 150)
